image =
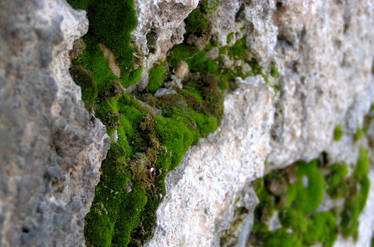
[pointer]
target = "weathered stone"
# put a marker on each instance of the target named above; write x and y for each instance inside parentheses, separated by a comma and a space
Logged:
(50, 149)
(320, 49)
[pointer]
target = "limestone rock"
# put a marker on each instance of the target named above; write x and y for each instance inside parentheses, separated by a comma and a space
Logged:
(322, 52)
(160, 27)
(50, 148)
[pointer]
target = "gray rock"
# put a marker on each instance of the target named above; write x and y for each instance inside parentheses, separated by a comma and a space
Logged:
(322, 50)
(50, 148)
(160, 27)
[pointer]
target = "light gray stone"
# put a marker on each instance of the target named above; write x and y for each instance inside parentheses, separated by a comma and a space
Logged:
(50, 148)
(322, 50)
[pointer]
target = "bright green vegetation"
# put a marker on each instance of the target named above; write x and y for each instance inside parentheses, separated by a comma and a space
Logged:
(296, 193)
(358, 134)
(357, 196)
(338, 133)
(156, 77)
(150, 135)
(111, 23)
(274, 71)
(229, 38)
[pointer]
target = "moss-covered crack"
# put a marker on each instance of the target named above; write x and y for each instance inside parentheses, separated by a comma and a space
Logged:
(150, 134)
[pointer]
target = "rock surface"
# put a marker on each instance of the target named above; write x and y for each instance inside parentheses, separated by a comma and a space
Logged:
(160, 27)
(50, 149)
(321, 50)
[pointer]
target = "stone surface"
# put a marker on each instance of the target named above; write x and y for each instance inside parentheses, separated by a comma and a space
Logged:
(160, 27)
(50, 148)
(322, 50)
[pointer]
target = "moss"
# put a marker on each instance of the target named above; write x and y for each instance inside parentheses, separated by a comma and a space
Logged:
(79, 4)
(338, 133)
(358, 195)
(176, 138)
(335, 180)
(209, 6)
(358, 134)
(111, 24)
(229, 38)
(156, 77)
(238, 50)
(197, 22)
(274, 71)
(282, 238)
(129, 215)
(322, 228)
(307, 196)
(299, 206)
(148, 146)
(109, 194)
(88, 86)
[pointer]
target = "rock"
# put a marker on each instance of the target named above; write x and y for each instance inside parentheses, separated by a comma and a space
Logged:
(324, 79)
(51, 149)
(160, 27)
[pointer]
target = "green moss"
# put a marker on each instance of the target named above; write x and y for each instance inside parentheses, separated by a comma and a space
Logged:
(299, 209)
(307, 196)
(281, 238)
(335, 180)
(229, 38)
(274, 71)
(358, 134)
(176, 137)
(156, 77)
(79, 4)
(109, 194)
(238, 50)
(209, 6)
(88, 86)
(358, 195)
(126, 199)
(129, 215)
(111, 23)
(197, 22)
(338, 133)
(322, 228)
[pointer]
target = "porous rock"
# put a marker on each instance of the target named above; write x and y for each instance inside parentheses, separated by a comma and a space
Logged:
(50, 147)
(321, 50)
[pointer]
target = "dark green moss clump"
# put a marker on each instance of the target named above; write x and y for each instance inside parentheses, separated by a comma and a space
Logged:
(296, 193)
(197, 22)
(88, 86)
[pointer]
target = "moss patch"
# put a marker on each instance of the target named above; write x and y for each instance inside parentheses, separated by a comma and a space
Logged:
(296, 193)
(145, 145)
(156, 77)
(338, 133)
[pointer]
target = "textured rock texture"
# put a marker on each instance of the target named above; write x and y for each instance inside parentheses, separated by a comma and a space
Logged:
(50, 148)
(160, 27)
(322, 50)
